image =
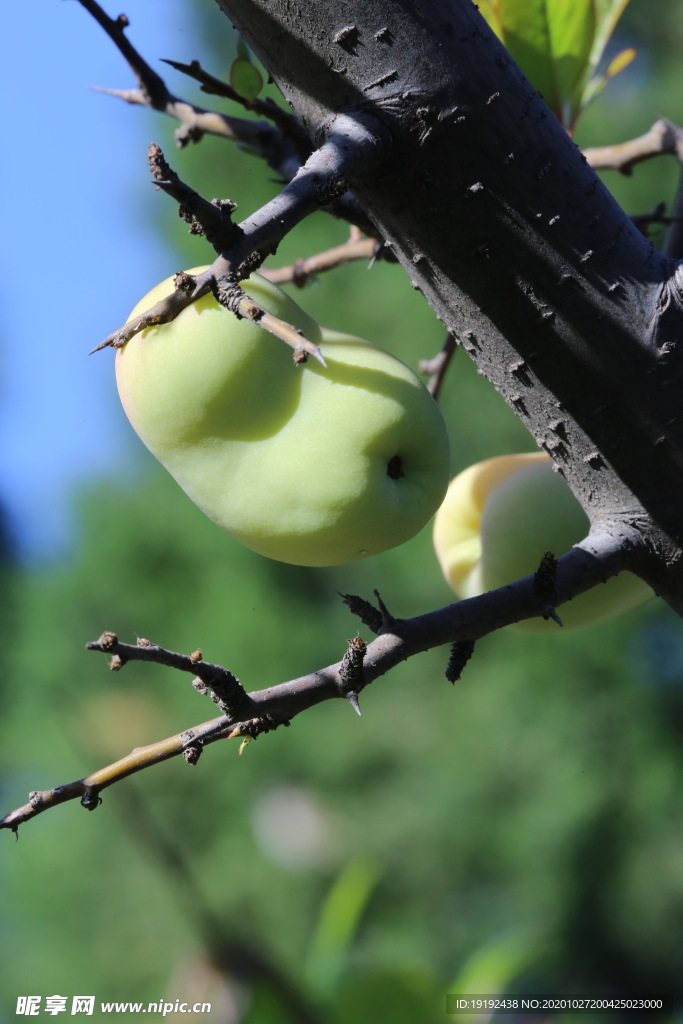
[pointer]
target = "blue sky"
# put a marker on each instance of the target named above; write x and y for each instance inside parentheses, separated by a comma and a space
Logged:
(79, 245)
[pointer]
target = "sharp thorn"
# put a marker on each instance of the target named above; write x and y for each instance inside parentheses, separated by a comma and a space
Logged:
(98, 348)
(352, 698)
(319, 356)
(388, 620)
(550, 613)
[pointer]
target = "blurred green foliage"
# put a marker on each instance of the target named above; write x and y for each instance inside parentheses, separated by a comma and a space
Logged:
(520, 829)
(560, 45)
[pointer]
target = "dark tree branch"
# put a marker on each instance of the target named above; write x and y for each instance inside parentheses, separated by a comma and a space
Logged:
(598, 558)
(350, 142)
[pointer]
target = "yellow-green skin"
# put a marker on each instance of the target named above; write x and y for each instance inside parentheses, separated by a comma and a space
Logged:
(294, 462)
(497, 521)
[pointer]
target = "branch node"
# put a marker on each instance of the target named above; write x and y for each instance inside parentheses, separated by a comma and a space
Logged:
(184, 282)
(106, 642)
(90, 799)
(351, 675)
(227, 692)
(254, 727)
(461, 652)
(193, 751)
(366, 612)
(230, 295)
(544, 586)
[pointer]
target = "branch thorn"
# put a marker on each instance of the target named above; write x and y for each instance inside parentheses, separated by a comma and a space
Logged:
(461, 652)
(366, 612)
(352, 698)
(544, 586)
(389, 623)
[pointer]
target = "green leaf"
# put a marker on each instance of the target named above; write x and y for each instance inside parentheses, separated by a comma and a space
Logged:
(492, 968)
(595, 86)
(552, 41)
(339, 919)
(490, 11)
(572, 27)
(618, 63)
(525, 32)
(243, 49)
(559, 45)
(245, 79)
(607, 14)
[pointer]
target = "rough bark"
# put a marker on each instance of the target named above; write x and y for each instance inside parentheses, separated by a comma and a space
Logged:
(512, 239)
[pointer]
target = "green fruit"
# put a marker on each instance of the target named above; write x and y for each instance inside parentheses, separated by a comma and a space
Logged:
(307, 464)
(497, 521)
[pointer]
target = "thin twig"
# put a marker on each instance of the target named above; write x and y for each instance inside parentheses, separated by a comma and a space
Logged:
(194, 121)
(225, 688)
(436, 367)
(289, 126)
(663, 138)
(300, 272)
(284, 148)
(212, 219)
(350, 143)
(163, 312)
(189, 289)
(586, 565)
